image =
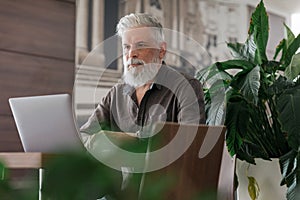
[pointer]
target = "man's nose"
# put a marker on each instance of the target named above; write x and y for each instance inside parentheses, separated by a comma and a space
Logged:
(133, 53)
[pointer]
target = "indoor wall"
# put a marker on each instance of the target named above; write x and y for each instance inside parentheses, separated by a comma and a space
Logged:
(37, 55)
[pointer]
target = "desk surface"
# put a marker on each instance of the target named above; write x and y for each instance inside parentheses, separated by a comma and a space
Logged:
(24, 160)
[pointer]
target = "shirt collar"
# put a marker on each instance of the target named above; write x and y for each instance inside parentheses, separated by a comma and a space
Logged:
(129, 90)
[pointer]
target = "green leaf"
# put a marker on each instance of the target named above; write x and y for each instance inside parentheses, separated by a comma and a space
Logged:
(259, 26)
(250, 150)
(287, 162)
(214, 89)
(278, 86)
(243, 154)
(289, 115)
(251, 85)
(284, 45)
(202, 75)
(290, 35)
(216, 111)
(244, 51)
(291, 50)
(2, 172)
(248, 83)
(208, 76)
(290, 166)
(271, 67)
(235, 64)
(280, 46)
(237, 118)
(253, 188)
(293, 69)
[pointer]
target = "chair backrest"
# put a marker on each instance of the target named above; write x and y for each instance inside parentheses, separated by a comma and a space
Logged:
(195, 174)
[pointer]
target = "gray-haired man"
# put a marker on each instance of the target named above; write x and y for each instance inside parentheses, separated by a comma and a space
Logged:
(151, 91)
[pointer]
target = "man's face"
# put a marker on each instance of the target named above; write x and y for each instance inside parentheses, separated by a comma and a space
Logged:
(140, 43)
(142, 55)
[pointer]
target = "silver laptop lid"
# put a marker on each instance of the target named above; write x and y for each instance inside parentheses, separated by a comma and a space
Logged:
(46, 123)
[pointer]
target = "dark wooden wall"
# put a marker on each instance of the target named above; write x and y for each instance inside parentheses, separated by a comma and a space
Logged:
(37, 55)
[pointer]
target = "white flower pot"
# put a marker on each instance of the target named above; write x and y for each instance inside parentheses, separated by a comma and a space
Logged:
(267, 175)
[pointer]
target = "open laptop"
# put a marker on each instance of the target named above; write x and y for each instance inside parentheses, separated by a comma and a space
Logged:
(45, 123)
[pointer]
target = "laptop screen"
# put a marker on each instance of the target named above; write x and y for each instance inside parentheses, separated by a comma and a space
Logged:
(45, 123)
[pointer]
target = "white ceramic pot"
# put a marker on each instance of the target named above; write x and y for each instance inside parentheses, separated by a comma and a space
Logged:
(267, 175)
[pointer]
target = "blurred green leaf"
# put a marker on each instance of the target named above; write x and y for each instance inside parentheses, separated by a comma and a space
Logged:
(79, 177)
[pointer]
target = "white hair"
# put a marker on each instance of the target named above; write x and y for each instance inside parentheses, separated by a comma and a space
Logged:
(135, 20)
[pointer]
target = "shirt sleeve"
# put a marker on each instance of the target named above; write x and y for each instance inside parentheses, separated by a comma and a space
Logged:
(191, 103)
(100, 118)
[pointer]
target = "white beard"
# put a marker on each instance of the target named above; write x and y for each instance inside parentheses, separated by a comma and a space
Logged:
(141, 74)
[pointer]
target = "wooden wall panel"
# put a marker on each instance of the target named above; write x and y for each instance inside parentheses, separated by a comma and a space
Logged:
(9, 138)
(37, 55)
(23, 75)
(41, 27)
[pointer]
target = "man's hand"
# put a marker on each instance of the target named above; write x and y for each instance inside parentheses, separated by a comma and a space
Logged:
(106, 142)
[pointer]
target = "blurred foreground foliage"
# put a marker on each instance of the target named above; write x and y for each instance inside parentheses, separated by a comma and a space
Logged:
(79, 176)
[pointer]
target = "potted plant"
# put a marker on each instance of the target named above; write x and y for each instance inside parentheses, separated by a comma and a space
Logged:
(262, 99)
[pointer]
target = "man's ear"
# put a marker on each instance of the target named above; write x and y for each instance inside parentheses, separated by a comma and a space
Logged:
(162, 50)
